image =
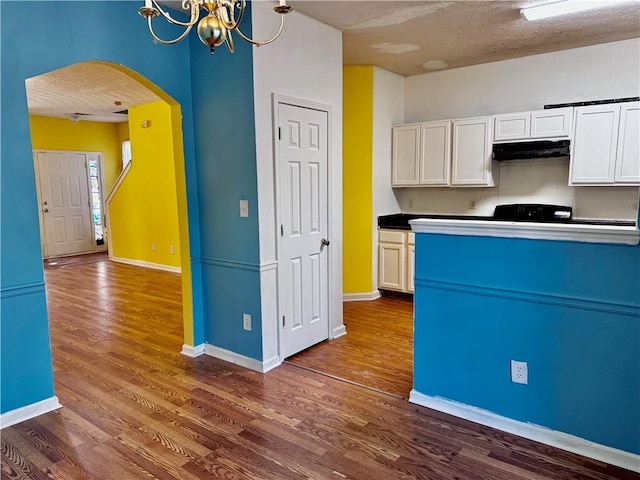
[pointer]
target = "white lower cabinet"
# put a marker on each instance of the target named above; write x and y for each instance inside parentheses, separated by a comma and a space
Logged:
(396, 249)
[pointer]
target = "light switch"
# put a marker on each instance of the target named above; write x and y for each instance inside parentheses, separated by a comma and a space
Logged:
(244, 208)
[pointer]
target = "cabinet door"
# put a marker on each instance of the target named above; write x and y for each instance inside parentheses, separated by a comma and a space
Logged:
(472, 152)
(391, 266)
(594, 149)
(405, 158)
(435, 153)
(516, 126)
(551, 123)
(628, 155)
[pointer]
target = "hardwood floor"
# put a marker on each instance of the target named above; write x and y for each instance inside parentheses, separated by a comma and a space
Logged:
(377, 351)
(134, 408)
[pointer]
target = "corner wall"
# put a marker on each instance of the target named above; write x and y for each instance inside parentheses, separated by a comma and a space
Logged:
(388, 110)
(287, 67)
(25, 362)
(143, 214)
(357, 179)
(222, 88)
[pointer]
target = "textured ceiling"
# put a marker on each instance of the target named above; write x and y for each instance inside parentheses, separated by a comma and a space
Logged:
(413, 37)
(88, 89)
(405, 37)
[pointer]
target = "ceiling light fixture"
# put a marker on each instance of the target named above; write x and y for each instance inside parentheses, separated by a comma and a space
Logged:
(214, 29)
(564, 7)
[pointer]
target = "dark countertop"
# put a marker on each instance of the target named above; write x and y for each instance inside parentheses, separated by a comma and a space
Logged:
(400, 221)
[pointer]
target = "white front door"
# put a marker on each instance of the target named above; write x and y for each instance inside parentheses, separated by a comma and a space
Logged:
(64, 203)
(304, 249)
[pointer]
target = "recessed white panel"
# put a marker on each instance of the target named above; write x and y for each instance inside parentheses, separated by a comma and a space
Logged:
(314, 137)
(55, 191)
(314, 197)
(53, 164)
(296, 291)
(315, 287)
(59, 230)
(294, 195)
(294, 134)
(74, 192)
(77, 226)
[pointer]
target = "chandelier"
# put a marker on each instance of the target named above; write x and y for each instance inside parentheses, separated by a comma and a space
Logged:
(214, 29)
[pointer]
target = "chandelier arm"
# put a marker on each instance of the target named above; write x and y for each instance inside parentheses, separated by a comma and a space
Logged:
(232, 24)
(265, 42)
(195, 14)
(168, 42)
(229, 41)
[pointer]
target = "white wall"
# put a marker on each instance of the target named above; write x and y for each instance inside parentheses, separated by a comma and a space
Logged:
(610, 70)
(304, 63)
(590, 73)
(388, 110)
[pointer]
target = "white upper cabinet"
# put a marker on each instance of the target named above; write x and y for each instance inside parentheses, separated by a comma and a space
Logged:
(406, 155)
(514, 126)
(422, 154)
(435, 153)
(471, 153)
(532, 125)
(605, 147)
(628, 154)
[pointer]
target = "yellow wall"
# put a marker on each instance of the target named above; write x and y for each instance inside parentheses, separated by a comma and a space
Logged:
(61, 134)
(144, 210)
(357, 141)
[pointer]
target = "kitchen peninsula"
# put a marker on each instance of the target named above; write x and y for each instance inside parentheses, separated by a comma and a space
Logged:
(564, 298)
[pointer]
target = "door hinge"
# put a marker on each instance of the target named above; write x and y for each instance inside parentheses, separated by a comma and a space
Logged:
(283, 320)
(279, 133)
(282, 230)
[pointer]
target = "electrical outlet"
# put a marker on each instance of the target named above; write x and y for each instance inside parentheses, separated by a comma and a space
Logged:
(172, 250)
(246, 321)
(153, 247)
(519, 372)
(473, 204)
(244, 208)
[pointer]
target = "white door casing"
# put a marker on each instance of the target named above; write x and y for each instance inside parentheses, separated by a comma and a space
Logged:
(303, 212)
(65, 210)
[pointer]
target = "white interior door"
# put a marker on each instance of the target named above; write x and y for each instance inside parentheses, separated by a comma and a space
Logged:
(64, 203)
(304, 247)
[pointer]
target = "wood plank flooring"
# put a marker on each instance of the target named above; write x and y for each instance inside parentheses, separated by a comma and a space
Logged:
(134, 408)
(377, 351)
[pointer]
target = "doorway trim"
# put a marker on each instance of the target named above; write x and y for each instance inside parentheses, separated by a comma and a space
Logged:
(334, 331)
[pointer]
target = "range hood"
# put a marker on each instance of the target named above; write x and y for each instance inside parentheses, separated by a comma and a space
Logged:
(533, 149)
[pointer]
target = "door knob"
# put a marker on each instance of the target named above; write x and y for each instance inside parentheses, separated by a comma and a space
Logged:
(45, 210)
(324, 242)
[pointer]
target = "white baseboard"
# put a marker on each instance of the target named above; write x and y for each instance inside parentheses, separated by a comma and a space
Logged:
(247, 362)
(30, 411)
(564, 441)
(142, 263)
(360, 297)
(193, 352)
(338, 332)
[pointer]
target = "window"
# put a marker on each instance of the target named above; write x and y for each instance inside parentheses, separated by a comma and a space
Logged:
(96, 201)
(126, 153)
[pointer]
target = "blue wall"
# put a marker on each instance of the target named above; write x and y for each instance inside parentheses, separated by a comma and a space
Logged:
(222, 89)
(570, 310)
(59, 34)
